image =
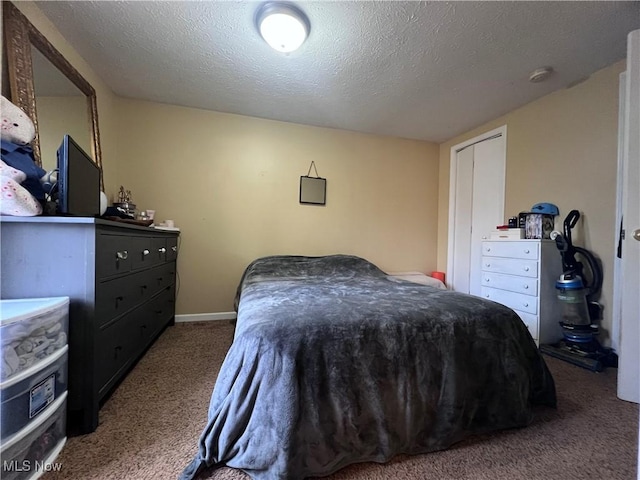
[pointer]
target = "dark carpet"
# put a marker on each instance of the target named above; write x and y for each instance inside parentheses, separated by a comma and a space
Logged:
(149, 427)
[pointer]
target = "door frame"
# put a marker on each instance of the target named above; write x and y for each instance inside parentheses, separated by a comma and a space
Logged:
(453, 177)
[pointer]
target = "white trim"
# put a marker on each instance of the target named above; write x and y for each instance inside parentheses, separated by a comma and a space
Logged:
(498, 132)
(616, 313)
(206, 317)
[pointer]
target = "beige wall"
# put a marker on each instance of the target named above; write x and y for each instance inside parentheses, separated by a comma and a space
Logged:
(106, 118)
(231, 184)
(561, 149)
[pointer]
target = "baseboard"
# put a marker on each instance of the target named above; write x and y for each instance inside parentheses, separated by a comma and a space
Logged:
(205, 317)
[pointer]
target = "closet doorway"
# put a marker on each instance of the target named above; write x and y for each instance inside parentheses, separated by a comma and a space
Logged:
(476, 204)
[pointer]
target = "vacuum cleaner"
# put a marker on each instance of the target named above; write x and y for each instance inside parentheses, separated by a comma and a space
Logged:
(577, 288)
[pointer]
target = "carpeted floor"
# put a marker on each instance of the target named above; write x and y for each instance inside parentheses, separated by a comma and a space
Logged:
(150, 426)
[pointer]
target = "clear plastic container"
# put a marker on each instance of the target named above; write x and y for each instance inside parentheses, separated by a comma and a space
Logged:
(31, 330)
(32, 450)
(573, 300)
(30, 393)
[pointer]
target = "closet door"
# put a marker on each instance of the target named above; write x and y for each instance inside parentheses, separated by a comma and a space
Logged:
(628, 282)
(476, 206)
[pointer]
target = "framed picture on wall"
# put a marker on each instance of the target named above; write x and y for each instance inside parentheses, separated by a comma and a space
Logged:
(313, 190)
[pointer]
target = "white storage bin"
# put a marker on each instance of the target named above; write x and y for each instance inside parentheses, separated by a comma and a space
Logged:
(31, 392)
(32, 451)
(31, 330)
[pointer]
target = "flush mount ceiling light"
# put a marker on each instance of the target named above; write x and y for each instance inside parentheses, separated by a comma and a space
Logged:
(283, 26)
(540, 74)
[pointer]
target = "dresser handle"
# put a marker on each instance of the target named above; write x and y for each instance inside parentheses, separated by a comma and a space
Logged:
(122, 255)
(488, 249)
(487, 295)
(487, 264)
(486, 280)
(526, 287)
(526, 269)
(143, 288)
(145, 252)
(118, 300)
(526, 250)
(174, 248)
(162, 250)
(158, 312)
(526, 304)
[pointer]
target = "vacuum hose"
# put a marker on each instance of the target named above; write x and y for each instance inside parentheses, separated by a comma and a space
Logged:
(568, 252)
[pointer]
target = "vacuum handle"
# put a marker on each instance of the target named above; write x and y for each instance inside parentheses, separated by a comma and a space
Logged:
(570, 222)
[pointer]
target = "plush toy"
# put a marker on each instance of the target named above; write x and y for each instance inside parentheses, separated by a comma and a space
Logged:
(14, 198)
(20, 178)
(17, 127)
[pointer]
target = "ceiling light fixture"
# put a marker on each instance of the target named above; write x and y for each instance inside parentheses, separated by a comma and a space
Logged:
(540, 74)
(282, 25)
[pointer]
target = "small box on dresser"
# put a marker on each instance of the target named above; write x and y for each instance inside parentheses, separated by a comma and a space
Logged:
(521, 274)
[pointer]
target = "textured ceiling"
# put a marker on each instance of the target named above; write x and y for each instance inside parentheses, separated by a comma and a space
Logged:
(423, 70)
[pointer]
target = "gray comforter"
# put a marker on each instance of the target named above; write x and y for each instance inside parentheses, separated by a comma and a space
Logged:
(333, 363)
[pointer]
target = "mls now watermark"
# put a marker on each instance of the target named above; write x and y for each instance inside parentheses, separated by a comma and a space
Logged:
(34, 466)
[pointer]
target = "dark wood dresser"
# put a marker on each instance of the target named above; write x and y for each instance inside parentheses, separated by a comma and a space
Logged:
(121, 281)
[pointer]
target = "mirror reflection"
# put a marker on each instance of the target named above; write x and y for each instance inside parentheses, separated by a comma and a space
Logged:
(61, 107)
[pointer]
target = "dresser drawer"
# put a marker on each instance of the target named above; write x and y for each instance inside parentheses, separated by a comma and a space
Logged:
(512, 300)
(531, 321)
(115, 346)
(512, 283)
(511, 266)
(145, 253)
(115, 297)
(518, 249)
(172, 248)
(114, 254)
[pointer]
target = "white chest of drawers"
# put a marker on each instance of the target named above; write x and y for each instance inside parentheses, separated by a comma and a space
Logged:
(521, 274)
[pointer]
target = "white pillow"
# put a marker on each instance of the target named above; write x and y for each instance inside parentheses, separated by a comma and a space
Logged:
(417, 277)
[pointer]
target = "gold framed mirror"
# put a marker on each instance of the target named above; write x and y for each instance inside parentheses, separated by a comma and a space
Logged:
(49, 90)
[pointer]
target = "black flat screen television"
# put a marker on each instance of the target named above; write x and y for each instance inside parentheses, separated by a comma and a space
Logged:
(78, 181)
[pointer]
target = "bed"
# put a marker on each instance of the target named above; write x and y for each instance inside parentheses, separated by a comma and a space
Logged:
(334, 362)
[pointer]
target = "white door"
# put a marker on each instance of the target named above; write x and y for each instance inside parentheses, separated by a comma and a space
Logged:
(476, 205)
(629, 279)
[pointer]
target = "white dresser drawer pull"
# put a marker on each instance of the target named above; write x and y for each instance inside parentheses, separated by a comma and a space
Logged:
(145, 252)
(486, 280)
(525, 286)
(526, 269)
(174, 248)
(487, 264)
(488, 249)
(526, 250)
(122, 255)
(162, 250)
(526, 304)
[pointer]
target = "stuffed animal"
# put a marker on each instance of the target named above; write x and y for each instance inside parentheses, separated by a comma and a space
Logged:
(14, 198)
(20, 178)
(17, 127)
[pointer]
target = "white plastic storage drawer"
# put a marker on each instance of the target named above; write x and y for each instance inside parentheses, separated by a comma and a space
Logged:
(31, 330)
(26, 454)
(31, 392)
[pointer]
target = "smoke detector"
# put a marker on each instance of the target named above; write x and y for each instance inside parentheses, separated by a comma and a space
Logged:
(540, 74)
